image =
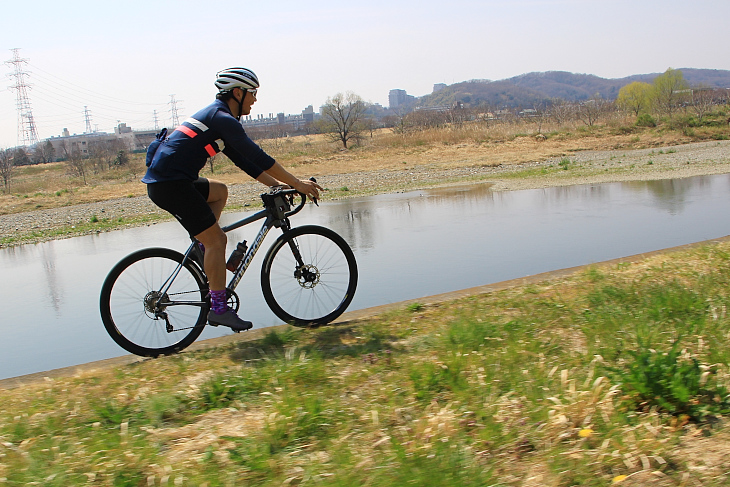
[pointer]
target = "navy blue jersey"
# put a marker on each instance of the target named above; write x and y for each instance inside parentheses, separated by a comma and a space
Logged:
(212, 130)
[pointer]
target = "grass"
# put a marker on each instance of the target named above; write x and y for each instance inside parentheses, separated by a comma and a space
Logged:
(565, 382)
(93, 225)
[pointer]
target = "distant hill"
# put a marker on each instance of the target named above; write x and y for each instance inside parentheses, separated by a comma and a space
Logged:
(531, 89)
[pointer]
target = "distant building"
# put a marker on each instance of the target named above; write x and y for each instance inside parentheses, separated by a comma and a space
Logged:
(397, 98)
(308, 114)
(295, 122)
(132, 140)
(438, 87)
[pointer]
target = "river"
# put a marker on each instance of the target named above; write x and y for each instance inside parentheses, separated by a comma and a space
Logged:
(407, 245)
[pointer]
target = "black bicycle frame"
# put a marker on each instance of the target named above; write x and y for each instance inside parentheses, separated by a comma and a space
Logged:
(256, 244)
(270, 222)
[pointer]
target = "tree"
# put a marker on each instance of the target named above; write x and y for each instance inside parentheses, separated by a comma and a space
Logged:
(541, 117)
(562, 111)
(670, 90)
(635, 97)
(20, 157)
(6, 166)
(342, 117)
(704, 99)
(74, 160)
(122, 158)
(104, 153)
(44, 153)
(101, 155)
(590, 110)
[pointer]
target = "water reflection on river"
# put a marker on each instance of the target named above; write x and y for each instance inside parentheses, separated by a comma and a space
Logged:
(407, 245)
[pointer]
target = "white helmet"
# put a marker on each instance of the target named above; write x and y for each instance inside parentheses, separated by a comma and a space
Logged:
(231, 78)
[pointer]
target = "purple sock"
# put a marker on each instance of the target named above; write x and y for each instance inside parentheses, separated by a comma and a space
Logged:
(218, 301)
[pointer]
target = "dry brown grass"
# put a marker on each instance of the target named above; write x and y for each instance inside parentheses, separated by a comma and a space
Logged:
(476, 144)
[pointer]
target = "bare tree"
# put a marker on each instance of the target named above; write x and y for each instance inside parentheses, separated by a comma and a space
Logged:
(342, 117)
(591, 110)
(212, 161)
(541, 115)
(74, 160)
(562, 111)
(458, 114)
(6, 167)
(104, 153)
(101, 155)
(704, 98)
(426, 118)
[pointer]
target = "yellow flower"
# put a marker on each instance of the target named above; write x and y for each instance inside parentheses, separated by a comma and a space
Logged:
(619, 478)
(585, 432)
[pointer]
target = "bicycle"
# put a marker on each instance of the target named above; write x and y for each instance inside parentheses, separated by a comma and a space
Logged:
(155, 301)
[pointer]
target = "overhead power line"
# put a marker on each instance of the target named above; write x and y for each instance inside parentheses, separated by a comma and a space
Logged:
(65, 103)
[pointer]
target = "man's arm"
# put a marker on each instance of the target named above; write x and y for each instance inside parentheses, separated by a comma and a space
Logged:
(279, 174)
(265, 179)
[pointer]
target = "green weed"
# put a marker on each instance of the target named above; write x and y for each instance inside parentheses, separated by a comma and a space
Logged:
(415, 307)
(672, 381)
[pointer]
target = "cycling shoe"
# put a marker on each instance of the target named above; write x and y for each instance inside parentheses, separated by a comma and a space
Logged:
(229, 319)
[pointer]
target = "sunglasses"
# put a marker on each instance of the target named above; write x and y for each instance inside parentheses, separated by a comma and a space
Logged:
(253, 92)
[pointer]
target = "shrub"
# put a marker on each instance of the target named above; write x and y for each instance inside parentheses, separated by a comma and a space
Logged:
(645, 120)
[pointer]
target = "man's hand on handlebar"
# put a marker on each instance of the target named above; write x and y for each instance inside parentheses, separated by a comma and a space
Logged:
(308, 188)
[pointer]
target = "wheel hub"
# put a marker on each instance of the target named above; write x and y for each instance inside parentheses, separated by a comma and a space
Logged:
(154, 302)
(308, 276)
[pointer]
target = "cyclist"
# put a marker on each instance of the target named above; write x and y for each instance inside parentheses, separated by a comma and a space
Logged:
(174, 184)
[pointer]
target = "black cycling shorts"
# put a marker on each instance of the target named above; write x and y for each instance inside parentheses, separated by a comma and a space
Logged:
(187, 201)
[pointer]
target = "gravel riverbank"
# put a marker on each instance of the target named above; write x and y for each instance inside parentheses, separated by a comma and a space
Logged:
(584, 167)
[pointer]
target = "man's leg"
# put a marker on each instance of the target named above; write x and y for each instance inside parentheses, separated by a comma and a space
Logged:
(217, 197)
(214, 241)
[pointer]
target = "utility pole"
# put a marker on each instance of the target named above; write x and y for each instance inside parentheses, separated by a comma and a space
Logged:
(27, 133)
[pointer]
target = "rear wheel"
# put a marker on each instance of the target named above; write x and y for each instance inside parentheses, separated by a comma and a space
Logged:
(150, 311)
(309, 276)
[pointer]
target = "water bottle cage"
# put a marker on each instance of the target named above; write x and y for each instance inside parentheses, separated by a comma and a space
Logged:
(277, 204)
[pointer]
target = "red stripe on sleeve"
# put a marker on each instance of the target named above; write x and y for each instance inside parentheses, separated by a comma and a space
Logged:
(210, 150)
(187, 131)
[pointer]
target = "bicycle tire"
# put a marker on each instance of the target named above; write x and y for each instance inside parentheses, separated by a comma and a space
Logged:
(319, 291)
(132, 288)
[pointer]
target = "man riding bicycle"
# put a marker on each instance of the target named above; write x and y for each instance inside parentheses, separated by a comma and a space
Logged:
(174, 184)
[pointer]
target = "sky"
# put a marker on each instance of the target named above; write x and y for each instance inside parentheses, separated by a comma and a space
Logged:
(124, 61)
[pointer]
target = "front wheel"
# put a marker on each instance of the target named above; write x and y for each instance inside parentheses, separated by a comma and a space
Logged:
(154, 304)
(309, 276)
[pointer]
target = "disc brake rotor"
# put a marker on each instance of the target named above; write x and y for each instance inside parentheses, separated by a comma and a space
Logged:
(308, 276)
(233, 300)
